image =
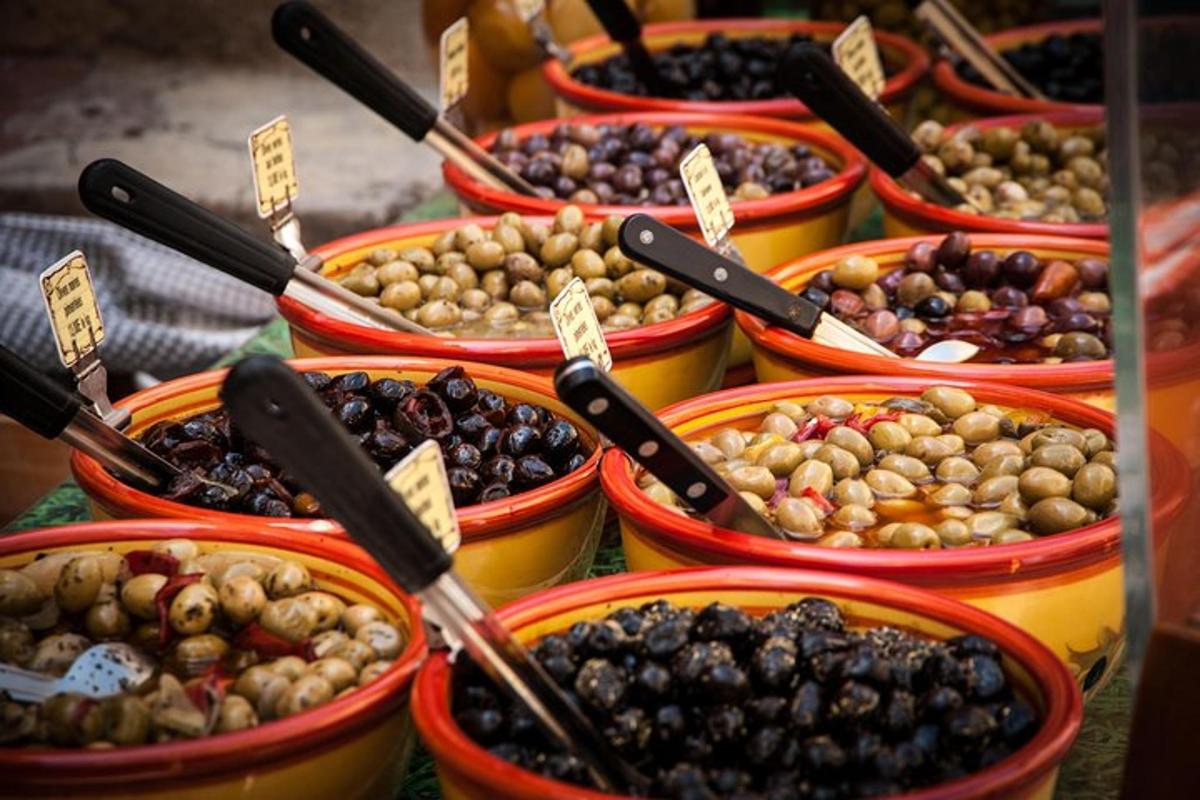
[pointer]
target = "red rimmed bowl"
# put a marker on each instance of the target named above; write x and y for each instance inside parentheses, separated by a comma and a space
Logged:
(780, 355)
(907, 215)
(573, 97)
(693, 348)
(466, 770)
(767, 230)
(969, 101)
(354, 747)
(1064, 589)
(510, 547)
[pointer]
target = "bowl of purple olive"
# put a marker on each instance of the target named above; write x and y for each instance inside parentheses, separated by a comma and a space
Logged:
(522, 468)
(739, 682)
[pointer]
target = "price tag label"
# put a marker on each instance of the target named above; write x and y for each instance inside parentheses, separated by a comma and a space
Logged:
(707, 194)
(275, 182)
(453, 78)
(577, 326)
(420, 480)
(528, 10)
(855, 52)
(71, 306)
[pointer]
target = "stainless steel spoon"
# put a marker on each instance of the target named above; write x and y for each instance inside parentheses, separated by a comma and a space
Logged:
(100, 671)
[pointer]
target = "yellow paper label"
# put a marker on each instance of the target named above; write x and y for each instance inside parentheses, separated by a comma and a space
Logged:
(855, 52)
(453, 77)
(707, 194)
(528, 10)
(420, 480)
(577, 326)
(275, 182)
(71, 305)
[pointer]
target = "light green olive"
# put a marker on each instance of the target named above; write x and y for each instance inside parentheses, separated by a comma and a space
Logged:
(395, 272)
(1095, 486)
(1108, 458)
(914, 536)
(730, 442)
(830, 406)
(1064, 458)
(19, 595)
(1001, 466)
(253, 680)
(495, 283)
(953, 441)
(106, 620)
(508, 237)
(401, 296)
(883, 535)
(616, 263)
(928, 449)
(755, 479)
(73, 719)
(951, 401)
(1095, 442)
(569, 219)
(890, 437)
(919, 425)
(357, 615)
(592, 235)
(288, 578)
(588, 264)
(1011, 536)
(953, 533)
(1038, 483)
(16, 643)
(78, 584)
(357, 653)
(813, 473)
(382, 637)
(853, 517)
(852, 441)
(798, 519)
(912, 468)
(887, 484)
(779, 423)
(194, 655)
(844, 463)
(54, 654)
(484, 255)
(138, 593)
(558, 249)
(372, 671)
(307, 692)
(977, 427)
(236, 714)
(708, 452)
(853, 491)
(991, 491)
(956, 469)
(242, 598)
(985, 523)
(328, 608)
(641, 285)
(781, 458)
(126, 720)
(1055, 434)
(290, 667)
(501, 314)
(362, 281)
(423, 259)
(955, 512)
(193, 610)
(289, 617)
(841, 539)
(1013, 505)
(338, 671)
(951, 494)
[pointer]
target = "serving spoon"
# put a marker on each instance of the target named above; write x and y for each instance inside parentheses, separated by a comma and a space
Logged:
(102, 670)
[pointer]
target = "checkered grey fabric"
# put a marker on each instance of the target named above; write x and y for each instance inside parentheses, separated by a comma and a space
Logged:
(164, 313)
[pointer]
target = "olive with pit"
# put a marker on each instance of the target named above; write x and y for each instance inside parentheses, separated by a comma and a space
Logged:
(382, 637)
(290, 617)
(193, 610)
(138, 593)
(242, 598)
(1094, 486)
(287, 579)
(307, 692)
(19, 594)
(78, 584)
(236, 714)
(1056, 514)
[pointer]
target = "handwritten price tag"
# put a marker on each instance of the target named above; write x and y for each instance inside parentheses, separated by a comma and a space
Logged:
(420, 480)
(707, 194)
(528, 10)
(453, 76)
(275, 182)
(577, 327)
(855, 52)
(71, 306)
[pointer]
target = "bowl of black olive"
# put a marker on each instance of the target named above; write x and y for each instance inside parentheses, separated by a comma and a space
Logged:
(522, 467)
(764, 683)
(727, 66)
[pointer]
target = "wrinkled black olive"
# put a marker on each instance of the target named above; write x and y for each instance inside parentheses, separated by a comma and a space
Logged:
(723, 622)
(464, 455)
(494, 491)
(471, 426)
(600, 684)
(350, 382)
(464, 485)
(423, 415)
(559, 441)
(316, 380)
(532, 471)
(355, 414)
(386, 393)
(520, 440)
(523, 414)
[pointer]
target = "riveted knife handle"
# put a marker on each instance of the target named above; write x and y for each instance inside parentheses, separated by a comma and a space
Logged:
(33, 398)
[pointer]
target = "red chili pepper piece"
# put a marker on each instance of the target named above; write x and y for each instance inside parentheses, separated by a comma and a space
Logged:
(81, 710)
(264, 643)
(142, 562)
(864, 424)
(162, 601)
(207, 691)
(818, 499)
(815, 428)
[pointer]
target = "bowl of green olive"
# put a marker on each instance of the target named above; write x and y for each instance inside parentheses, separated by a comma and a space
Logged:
(282, 664)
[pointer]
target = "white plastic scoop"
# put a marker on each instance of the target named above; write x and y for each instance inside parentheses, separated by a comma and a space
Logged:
(948, 351)
(100, 671)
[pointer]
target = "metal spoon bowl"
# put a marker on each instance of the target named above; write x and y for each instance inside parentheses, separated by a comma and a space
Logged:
(101, 671)
(949, 351)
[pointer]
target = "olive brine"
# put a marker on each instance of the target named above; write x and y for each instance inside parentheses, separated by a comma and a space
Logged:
(492, 448)
(796, 704)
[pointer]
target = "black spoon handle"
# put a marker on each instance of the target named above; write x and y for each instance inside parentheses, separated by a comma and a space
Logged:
(118, 192)
(33, 398)
(275, 408)
(646, 239)
(623, 27)
(603, 402)
(314, 40)
(809, 73)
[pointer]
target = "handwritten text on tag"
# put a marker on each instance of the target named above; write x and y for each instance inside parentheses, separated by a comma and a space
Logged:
(577, 327)
(453, 77)
(707, 194)
(855, 52)
(275, 183)
(420, 480)
(71, 306)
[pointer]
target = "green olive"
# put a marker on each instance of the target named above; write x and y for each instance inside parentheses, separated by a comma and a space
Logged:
(468, 235)
(401, 296)
(362, 281)
(522, 267)
(914, 536)
(338, 671)
(798, 519)
(289, 617)
(730, 442)
(950, 494)
(853, 517)
(984, 524)
(853, 491)
(841, 539)
(1061, 457)
(1095, 486)
(586, 264)
(528, 294)
(508, 237)
(16, 642)
(1056, 514)
(813, 474)
(603, 307)
(107, 620)
(308, 692)
(501, 314)
(495, 283)
(953, 533)
(780, 424)
(1078, 344)
(977, 427)
(54, 654)
(290, 667)
(253, 680)
(193, 610)
(463, 276)
(328, 609)
(755, 479)
(236, 714)
(194, 655)
(322, 643)
(476, 300)
(19, 594)
(127, 720)
(357, 653)
(830, 406)
(912, 468)
(601, 287)
(852, 441)
(78, 584)
(887, 484)
(890, 437)
(1038, 483)
(557, 280)
(951, 401)
(855, 272)
(991, 491)
(446, 242)
(928, 449)
(288, 578)
(382, 637)
(372, 671)
(641, 285)
(569, 219)
(138, 593)
(1011, 536)
(73, 719)
(919, 425)
(242, 599)
(558, 249)
(396, 271)
(956, 469)
(1013, 505)
(617, 265)
(781, 458)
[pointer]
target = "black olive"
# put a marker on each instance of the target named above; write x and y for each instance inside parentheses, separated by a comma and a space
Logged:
(984, 678)
(767, 709)
(663, 639)
(969, 644)
(520, 440)
(652, 682)
(500, 469)
(423, 415)
(723, 622)
(604, 639)
(459, 392)
(561, 669)
(316, 380)
(560, 440)
(600, 684)
(386, 446)
(491, 406)
(1017, 722)
(805, 707)
(817, 297)
(355, 414)
(940, 700)
(901, 712)
(933, 307)
(823, 754)
(523, 414)
(722, 683)
(489, 441)
(385, 393)
(774, 664)
(350, 382)
(464, 485)
(630, 730)
(970, 724)
(816, 612)
(690, 662)
(574, 462)
(532, 471)
(464, 455)
(471, 426)
(763, 744)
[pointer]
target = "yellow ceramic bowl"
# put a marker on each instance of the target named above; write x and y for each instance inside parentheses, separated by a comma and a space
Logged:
(510, 547)
(466, 770)
(780, 355)
(355, 747)
(693, 348)
(1063, 589)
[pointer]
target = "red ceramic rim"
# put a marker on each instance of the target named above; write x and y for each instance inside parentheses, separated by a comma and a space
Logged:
(625, 345)
(211, 757)
(989, 101)
(476, 522)
(776, 208)
(915, 65)
(1063, 707)
(925, 216)
(958, 567)
(792, 274)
